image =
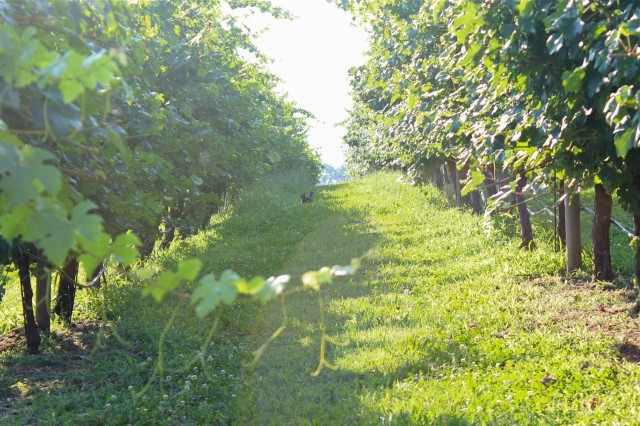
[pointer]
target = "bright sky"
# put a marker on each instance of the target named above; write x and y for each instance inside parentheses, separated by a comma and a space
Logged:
(312, 54)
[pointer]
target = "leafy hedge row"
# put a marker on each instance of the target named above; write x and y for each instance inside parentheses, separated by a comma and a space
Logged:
(541, 90)
(120, 119)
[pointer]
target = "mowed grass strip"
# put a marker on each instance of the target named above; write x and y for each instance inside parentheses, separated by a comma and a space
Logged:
(448, 324)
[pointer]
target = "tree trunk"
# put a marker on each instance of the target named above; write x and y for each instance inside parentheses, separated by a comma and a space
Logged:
(170, 227)
(490, 186)
(169, 235)
(67, 291)
(438, 178)
(505, 180)
(455, 180)
(21, 258)
(146, 248)
(465, 200)
(636, 221)
(526, 232)
(561, 227)
(206, 220)
(43, 295)
(476, 202)
(450, 178)
(602, 268)
(572, 221)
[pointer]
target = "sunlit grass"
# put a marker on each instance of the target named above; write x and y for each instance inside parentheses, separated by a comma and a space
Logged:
(447, 323)
(446, 326)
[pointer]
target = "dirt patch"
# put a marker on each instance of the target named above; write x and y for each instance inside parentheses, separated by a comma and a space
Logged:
(76, 338)
(60, 353)
(598, 308)
(630, 349)
(10, 340)
(630, 352)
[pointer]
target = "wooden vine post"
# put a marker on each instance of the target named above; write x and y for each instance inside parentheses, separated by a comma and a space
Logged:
(43, 295)
(572, 224)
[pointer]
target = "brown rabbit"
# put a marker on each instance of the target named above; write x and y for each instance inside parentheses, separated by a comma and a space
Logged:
(306, 198)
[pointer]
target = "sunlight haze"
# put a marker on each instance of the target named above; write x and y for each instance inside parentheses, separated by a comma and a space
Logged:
(312, 55)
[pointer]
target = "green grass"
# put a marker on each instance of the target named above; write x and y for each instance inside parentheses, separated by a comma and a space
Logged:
(447, 323)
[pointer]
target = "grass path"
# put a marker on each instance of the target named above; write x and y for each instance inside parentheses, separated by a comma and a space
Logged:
(444, 326)
(448, 323)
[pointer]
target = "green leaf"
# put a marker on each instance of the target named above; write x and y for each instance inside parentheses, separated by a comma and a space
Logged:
(98, 246)
(469, 55)
(89, 262)
(572, 81)
(145, 273)
(161, 286)
(411, 101)
(624, 143)
(124, 248)
(188, 269)
(229, 276)
(14, 222)
(315, 279)
(525, 7)
(87, 225)
(89, 61)
(211, 293)
(71, 90)
(57, 67)
(250, 287)
(117, 136)
(51, 229)
(467, 22)
(25, 175)
(477, 178)
(437, 6)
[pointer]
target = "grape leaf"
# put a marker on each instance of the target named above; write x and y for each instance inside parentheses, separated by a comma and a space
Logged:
(188, 269)
(25, 175)
(211, 293)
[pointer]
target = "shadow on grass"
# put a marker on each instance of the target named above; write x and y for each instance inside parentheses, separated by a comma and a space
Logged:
(280, 390)
(263, 236)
